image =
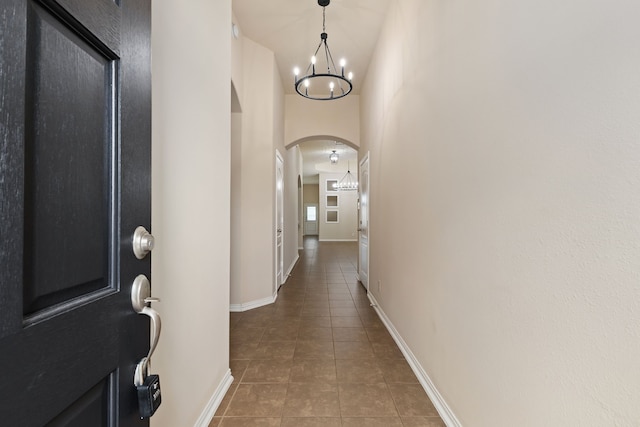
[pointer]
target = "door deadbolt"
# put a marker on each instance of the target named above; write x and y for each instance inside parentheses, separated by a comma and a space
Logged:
(143, 242)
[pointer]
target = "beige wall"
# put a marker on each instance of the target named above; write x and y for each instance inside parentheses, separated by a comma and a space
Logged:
(253, 275)
(347, 226)
(307, 119)
(191, 154)
(504, 151)
(257, 133)
(311, 193)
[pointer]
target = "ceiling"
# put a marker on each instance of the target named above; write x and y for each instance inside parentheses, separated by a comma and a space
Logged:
(291, 29)
(315, 155)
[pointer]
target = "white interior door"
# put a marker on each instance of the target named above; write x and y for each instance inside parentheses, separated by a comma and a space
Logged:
(279, 221)
(363, 222)
(310, 219)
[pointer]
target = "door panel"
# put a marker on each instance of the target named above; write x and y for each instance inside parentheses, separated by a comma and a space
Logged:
(92, 409)
(74, 182)
(67, 164)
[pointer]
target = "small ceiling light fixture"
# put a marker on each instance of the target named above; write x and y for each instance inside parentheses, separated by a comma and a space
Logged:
(348, 182)
(333, 157)
(327, 85)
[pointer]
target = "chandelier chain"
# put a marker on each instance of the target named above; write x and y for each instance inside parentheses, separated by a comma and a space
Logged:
(324, 30)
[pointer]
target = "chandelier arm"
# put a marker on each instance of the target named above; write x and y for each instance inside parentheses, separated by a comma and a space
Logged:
(327, 55)
(335, 70)
(315, 54)
(330, 57)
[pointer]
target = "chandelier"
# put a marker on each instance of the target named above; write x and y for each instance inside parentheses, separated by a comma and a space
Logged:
(333, 157)
(348, 182)
(327, 84)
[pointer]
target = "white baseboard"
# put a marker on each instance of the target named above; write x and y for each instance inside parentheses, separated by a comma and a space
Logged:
(213, 404)
(338, 240)
(253, 304)
(300, 248)
(438, 401)
(290, 269)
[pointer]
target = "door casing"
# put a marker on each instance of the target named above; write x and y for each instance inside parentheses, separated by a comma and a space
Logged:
(363, 221)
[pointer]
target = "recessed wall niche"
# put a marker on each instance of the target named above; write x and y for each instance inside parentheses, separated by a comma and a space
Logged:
(332, 216)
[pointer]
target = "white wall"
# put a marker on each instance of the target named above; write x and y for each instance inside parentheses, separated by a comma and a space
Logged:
(504, 152)
(190, 268)
(307, 119)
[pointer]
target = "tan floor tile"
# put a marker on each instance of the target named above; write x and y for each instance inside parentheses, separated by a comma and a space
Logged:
(343, 303)
(215, 422)
(381, 341)
(312, 400)
(240, 335)
(237, 368)
(320, 322)
(316, 303)
(353, 350)
(254, 322)
(250, 422)
(423, 422)
(282, 333)
(227, 398)
(349, 334)
(315, 312)
(346, 322)
(311, 333)
(313, 371)
(244, 350)
(288, 311)
(379, 335)
(311, 422)
(314, 350)
(387, 351)
(275, 350)
(396, 371)
(372, 422)
(344, 312)
(339, 292)
(412, 401)
(362, 400)
(268, 371)
(284, 321)
(318, 292)
(258, 400)
(358, 371)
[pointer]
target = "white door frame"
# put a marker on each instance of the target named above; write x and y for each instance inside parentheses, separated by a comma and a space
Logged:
(363, 221)
(279, 223)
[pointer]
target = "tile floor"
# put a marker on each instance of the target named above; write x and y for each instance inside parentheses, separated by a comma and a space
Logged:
(320, 356)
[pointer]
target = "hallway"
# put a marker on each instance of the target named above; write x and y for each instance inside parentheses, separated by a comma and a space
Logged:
(320, 356)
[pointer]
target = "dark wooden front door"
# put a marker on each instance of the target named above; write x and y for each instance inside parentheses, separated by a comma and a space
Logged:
(75, 115)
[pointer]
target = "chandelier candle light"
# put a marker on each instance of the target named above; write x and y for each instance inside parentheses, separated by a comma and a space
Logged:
(327, 85)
